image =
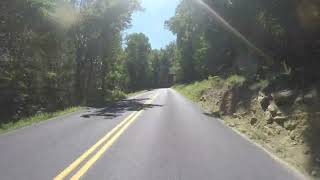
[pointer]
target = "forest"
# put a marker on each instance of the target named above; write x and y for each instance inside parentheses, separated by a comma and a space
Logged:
(60, 53)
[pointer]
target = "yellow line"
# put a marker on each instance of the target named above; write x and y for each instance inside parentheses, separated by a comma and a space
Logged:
(70, 168)
(109, 135)
(97, 156)
(108, 144)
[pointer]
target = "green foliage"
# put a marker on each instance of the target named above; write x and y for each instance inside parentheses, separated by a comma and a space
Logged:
(193, 90)
(235, 80)
(56, 54)
(265, 30)
(137, 57)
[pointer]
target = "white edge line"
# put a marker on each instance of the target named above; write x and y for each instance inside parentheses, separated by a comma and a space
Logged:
(285, 164)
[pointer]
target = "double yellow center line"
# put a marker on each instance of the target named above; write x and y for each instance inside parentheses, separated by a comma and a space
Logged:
(106, 141)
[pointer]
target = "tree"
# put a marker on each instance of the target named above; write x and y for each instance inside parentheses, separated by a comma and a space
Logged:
(58, 53)
(137, 61)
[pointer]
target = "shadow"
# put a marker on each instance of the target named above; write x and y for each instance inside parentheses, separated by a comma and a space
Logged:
(311, 136)
(116, 109)
(237, 98)
(213, 115)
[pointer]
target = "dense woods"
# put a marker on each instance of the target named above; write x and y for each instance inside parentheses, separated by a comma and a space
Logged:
(272, 35)
(58, 53)
(254, 64)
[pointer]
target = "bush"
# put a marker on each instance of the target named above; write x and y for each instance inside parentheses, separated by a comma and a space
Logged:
(235, 80)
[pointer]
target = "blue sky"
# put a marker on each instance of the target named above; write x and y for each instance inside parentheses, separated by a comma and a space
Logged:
(151, 21)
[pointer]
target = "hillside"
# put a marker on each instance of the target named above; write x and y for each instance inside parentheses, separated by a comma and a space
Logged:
(285, 122)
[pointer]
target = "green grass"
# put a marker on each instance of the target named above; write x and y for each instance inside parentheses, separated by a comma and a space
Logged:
(34, 119)
(193, 90)
(235, 80)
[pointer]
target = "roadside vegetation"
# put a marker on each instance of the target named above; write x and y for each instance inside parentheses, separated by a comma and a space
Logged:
(5, 127)
(283, 129)
(258, 68)
(56, 54)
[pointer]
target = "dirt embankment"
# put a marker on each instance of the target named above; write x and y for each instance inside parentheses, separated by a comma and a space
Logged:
(284, 121)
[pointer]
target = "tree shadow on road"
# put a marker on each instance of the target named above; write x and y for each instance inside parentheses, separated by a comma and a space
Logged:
(116, 109)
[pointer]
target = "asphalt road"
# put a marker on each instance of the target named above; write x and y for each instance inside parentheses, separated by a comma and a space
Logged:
(158, 135)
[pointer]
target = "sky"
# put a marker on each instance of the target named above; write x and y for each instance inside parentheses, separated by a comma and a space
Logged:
(151, 21)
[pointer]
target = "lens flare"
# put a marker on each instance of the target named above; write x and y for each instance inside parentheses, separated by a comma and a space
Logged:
(232, 30)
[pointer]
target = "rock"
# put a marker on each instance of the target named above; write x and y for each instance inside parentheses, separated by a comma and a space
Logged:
(263, 101)
(268, 117)
(280, 119)
(235, 115)
(292, 135)
(253, 121)
(232, 125)
(278, 129)
(290, 125)
(269, 131)
(314, 173)
(243, 130)
(273, 108)
(279, 113)
(283, 97)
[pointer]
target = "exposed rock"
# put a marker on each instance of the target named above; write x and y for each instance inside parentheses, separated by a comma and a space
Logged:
(269, 131)
(243, 130)
(278, 129)
(268, 117)
(263, 100)
(283, 97)
(279, 113)
(232, 124)
(292, 135)
(290, 125)
(314, 173)
(235, 115)
(273, 109)
(253, 121)
(280, 119)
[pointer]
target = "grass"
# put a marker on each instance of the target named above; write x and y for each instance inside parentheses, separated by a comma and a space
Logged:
(235, 80)
(194, 90)
(34, 119)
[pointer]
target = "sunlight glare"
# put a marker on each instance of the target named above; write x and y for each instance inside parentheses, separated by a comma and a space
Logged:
(231, 29)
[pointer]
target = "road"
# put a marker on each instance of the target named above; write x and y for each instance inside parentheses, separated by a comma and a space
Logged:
(156, 135)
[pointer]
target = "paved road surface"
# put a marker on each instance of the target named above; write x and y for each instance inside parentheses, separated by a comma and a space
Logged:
(163, 136)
